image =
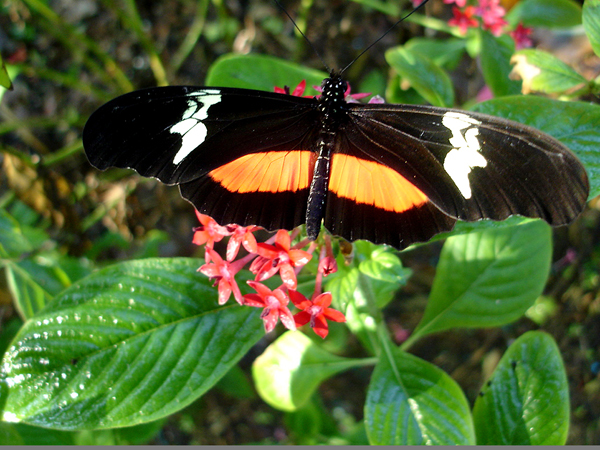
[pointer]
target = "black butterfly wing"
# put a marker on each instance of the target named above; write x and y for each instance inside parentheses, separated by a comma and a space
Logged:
(470, 165)
(212, 142)
(368, 198)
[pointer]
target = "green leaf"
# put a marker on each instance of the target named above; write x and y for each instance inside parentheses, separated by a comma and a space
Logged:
(495, 63)
(9, 434)
(290, 370)
(342, 284)
(385, 271)
(16, 238)
(488, 278)
(34, 282)
(544, 72)
(545, 13)
(261, 72)
(591, 23)
(311, 424)
(5, 77)
(412, 402)
(421, 73)
(129, 344)
(30, 435)
(445, 53)
(526, 401)
(138, 434)
(236, 384)
(575, 124)
(26, 282)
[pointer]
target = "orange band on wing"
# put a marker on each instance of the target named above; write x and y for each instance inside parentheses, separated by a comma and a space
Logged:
(266, 172)
(374, 184)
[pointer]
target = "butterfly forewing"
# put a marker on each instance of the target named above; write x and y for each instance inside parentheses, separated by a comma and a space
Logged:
(179, 133)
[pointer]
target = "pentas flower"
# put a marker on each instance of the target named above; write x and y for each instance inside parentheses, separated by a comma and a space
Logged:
(275, 256)
(463, 19)
(492, 14)
(459, 3)
(240, 236)
(208, 233)
(521, 35)
(274, 304)
(223, 273)
(279, 258)
(316, 311)
(298, 91)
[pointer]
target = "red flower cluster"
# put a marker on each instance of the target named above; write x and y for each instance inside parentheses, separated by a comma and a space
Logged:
(488, 14)
(266, 259)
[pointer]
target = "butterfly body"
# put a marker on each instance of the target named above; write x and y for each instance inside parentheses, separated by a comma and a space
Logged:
(393, 174)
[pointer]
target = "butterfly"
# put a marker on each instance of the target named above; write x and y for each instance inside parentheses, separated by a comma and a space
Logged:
(392, 174)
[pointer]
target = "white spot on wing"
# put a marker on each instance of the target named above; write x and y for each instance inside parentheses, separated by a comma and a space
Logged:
(190, 127)
(465, 155)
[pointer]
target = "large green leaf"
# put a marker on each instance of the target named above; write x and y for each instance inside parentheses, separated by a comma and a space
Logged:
(543, 72)
(290, 370)
(546, 13)
(495, 63)
(526, 401)
(445, 52)
(129, 344)
(412, 402)
(591, 23)
(488, 278)
(575, 124)
(422, 74)
(261, 72)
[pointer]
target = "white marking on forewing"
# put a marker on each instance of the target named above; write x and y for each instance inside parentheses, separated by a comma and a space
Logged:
(190, 127)
(465, 155)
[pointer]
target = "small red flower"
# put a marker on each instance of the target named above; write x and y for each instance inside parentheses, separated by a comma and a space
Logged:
(223, 273)
(208, 233)
(279, 258)
(492, 13)
(463, 19)
(274, 304)
(521, 35)
(298, 91)
(316, 311)
(459, 3)
(327, 265)
(240, 236)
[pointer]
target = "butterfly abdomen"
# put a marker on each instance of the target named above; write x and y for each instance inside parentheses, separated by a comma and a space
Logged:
(332, 112)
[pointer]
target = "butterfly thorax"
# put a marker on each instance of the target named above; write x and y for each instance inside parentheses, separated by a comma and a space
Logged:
(332, 112)
(332, 102)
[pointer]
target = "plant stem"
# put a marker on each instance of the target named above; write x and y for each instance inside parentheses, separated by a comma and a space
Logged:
(191, 37)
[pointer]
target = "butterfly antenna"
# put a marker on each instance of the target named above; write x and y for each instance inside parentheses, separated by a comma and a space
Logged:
(383, 35)
(303, 35)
